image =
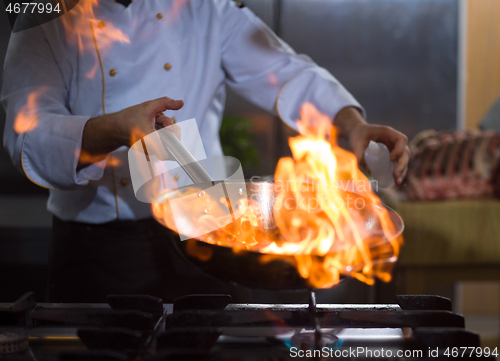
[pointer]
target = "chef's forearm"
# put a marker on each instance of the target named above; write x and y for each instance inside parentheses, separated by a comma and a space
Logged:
(346, 120)
(100, 137)
(104, 134)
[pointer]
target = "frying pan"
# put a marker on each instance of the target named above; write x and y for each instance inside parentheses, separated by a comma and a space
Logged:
(247, 267)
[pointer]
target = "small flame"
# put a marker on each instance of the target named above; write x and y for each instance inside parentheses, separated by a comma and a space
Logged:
(175, 9)
(88, 158)
(93, 34)
(273, 79)
(136, 134)
(28, 113)
(328, 222)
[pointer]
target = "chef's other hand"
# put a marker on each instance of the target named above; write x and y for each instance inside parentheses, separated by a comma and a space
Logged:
(108, 132)
(351, 125)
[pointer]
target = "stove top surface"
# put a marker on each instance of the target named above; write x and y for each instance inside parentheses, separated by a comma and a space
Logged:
(209, 327)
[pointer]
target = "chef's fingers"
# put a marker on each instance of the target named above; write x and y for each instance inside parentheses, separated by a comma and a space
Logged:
(162, 121)
(402, 166)
(174, 128)
(400, 153)
(161, 104)
(399, 141)
(159, 121)
(394, 140)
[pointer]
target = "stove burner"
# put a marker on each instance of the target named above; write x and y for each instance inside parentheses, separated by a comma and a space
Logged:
(309, 340)
(13, 342)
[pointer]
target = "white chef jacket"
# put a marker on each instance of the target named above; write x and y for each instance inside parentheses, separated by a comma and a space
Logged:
(184, 50)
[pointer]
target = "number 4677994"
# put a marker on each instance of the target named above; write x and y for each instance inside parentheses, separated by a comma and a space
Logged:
(40, 8)
(470, 352)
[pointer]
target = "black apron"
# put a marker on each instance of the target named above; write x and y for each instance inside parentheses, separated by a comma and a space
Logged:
(89, 261)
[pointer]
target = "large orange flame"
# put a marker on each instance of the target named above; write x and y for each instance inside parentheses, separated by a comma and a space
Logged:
(324, 209)
(325, 220)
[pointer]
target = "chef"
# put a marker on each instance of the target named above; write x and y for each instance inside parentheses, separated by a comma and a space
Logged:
(77, 89)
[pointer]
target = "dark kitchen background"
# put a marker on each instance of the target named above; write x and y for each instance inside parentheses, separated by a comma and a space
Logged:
(413, 65)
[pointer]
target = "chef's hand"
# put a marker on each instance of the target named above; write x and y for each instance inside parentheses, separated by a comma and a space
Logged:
(139, 120)
(351, 126)
(104, 134)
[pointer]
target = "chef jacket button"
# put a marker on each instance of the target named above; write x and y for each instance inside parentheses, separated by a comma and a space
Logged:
(112, 72)
(159, 15)
(167, 66)
(101, 24)
(176, 177)
(124, 182)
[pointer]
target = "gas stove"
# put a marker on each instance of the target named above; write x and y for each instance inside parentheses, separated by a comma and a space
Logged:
(210, 327)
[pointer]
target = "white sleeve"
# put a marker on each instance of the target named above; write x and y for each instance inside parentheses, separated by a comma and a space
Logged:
(41, 135)
(265, 70)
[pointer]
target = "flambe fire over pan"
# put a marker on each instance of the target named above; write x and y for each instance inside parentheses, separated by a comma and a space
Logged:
(260, 267)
